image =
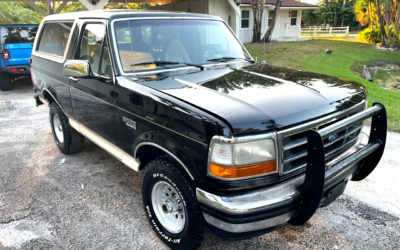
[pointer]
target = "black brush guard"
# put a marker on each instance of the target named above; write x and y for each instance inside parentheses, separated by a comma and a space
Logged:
(316, 183)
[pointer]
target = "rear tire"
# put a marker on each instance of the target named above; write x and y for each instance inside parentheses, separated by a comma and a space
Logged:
(5, 82)
(171, 206)
(68, 140)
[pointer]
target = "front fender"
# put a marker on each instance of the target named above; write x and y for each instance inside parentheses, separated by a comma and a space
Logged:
(186, 156)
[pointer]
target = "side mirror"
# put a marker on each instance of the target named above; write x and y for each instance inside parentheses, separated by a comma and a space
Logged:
(77, 68)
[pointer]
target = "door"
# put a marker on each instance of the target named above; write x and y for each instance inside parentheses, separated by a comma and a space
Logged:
(93, 97)
(283, 23)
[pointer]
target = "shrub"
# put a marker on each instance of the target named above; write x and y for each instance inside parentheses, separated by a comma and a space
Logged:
(371, 34)
(394, 35)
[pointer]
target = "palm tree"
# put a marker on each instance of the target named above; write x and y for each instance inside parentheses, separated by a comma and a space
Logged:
(11, 13)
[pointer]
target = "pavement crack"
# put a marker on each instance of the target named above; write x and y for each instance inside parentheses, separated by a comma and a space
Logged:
(15, 219)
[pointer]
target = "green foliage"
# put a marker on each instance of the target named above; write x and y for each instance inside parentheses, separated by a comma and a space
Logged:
(12, 13)
(372, 34)
(393, 35)
(365, 11)
(126, 6)
(72, 7)
(367, 14)
(331, 12)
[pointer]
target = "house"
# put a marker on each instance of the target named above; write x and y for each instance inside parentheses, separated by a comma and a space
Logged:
(239, 15)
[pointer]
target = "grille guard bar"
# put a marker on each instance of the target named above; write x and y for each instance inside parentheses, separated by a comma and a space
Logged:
(312, 188)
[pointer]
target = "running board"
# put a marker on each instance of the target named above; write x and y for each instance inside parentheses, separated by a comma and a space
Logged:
(118, 153)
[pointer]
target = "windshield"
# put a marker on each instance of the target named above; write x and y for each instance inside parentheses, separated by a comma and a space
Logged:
(168, 43)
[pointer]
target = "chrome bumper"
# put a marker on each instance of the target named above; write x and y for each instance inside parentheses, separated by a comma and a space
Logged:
(265, 199)
(295, 200)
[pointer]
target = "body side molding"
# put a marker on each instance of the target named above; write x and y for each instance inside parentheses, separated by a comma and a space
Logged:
(106, 145)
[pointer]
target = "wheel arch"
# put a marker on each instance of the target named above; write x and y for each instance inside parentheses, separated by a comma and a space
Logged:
(48, 96)
(147, 151)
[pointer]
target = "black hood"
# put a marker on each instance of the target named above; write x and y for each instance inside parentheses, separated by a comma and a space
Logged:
(260, 97)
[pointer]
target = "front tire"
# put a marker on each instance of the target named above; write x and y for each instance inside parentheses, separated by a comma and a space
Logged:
(171, 206)
(5, 82)
(68, 140)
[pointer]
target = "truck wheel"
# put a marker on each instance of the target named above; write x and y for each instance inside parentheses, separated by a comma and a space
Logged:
(171, 205)
(5, 82)
(68, 140)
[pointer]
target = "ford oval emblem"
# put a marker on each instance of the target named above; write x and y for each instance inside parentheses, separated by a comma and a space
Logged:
(333, 137)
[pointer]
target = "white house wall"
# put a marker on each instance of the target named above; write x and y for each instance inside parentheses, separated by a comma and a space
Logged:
(223, 9)
(196, 6)
(234, 19)
(219, 8)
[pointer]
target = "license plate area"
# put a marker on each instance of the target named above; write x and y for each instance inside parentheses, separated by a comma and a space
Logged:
(335, 192)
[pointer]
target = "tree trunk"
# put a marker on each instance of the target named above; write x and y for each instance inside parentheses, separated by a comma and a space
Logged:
(385, 41)
(268, 34)
(387, 12)
(344, 6)
(258, 10)
(398, 15)
(335, 20)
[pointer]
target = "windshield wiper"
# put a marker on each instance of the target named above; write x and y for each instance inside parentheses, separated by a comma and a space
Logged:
(227, 58)
(160, 63)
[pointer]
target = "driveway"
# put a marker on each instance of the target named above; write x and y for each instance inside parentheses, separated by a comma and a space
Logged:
(92, 201)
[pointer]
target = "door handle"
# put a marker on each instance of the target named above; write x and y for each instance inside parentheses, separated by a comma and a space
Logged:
(73, 79)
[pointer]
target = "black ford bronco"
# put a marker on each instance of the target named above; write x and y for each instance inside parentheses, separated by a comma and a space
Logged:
(223, 141)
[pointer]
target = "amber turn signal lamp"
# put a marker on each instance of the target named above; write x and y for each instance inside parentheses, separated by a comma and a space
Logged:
(243, 171)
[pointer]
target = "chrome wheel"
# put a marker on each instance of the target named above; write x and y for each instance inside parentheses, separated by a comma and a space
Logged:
(168, 207)
(58, 129)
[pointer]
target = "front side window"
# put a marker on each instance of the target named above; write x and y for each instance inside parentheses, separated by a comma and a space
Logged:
(105, 62)
(245, 19)
(18, 34)
(54, 38)
(73, 44)
(91, 45)
(293, 18)
(163, 44)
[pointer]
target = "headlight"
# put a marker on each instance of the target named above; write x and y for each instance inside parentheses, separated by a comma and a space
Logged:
(232, 159)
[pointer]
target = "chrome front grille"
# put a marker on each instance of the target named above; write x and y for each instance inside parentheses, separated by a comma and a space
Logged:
(293, 142)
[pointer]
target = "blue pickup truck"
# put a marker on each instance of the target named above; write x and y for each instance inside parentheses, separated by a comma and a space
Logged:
(15, 48)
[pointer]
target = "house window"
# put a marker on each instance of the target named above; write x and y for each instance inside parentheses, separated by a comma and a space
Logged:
(270, 17)
(293, 18)
(245, 19)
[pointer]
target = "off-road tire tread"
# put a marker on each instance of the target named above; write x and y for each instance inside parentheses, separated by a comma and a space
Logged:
(169, 162)
(73, 140)
(5, 82)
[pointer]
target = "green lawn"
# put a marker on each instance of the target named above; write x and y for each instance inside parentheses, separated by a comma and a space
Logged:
(311, 56)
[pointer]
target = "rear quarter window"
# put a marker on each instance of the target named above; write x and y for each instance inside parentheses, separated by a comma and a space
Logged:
(54, 38)
(18, 34)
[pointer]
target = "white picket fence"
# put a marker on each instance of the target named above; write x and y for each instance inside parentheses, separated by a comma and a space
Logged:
(325, 31)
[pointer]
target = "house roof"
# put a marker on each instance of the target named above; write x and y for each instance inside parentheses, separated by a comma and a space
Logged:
(285, 3)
